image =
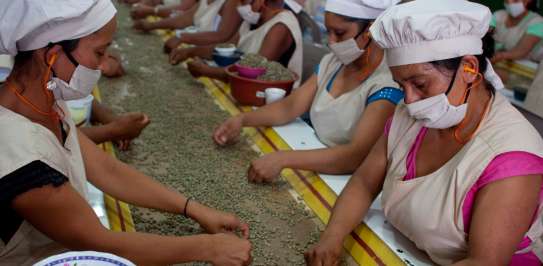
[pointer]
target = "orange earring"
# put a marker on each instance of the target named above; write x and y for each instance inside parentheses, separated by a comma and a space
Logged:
(470, 70)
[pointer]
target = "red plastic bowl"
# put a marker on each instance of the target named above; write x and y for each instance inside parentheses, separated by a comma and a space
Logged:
(250, 72)
(251, 91)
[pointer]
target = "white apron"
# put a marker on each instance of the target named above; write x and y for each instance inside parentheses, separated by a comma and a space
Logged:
(251, 40)
(22, 143)
(428, 209)
(335, 119)
(205, 17)
(510, 37)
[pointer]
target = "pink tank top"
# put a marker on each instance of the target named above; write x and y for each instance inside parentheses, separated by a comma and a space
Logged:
(502, 166)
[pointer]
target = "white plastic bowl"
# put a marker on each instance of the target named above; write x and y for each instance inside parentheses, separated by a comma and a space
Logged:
(85, 258)
(81, 110)
(228, 51)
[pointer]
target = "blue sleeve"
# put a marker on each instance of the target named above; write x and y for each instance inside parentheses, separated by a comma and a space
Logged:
(536, 30)
(493, 21)
(316, 69)
(393, 95)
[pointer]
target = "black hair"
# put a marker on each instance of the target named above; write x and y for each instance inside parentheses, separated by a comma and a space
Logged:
(533, 5)
(23, 59)
(451, 65)
(275, 3)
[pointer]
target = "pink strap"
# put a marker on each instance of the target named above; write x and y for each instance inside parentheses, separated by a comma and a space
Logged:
(388, 125)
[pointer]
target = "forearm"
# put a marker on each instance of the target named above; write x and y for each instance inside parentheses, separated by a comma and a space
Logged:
(515, 54)
(337, 160)
(186, 5)
(217, 73)
(206, 38)
(177, 22)
(165, 11)
(101, 113)
(275, 114)
(205, 52)
(98, 134)
(212, 37)
(350, 207)
(127, 184)
(149, 249)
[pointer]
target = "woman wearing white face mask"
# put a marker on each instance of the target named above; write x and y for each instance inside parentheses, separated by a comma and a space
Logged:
(460, 169)
(45, 161)
(518, 32)
(268, 29)
(349, 98)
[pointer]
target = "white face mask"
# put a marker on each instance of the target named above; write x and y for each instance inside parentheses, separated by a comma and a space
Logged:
(247, 13)
(515, 9)
(346, 51)
(81, 84)
(437, 112)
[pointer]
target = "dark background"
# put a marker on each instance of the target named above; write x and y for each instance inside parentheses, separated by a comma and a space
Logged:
(498, 4)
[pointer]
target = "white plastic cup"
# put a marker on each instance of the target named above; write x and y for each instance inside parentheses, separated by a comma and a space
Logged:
(274, 94)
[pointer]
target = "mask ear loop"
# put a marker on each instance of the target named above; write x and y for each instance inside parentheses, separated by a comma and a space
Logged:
(49, 93)
(462, 124)
(52, 113)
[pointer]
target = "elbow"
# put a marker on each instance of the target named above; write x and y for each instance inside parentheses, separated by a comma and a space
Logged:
(353, 157)
(348, 159)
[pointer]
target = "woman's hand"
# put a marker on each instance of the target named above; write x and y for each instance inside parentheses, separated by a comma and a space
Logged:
(228, 132)
(171, 44)
(179, 55)
(215, 221)
(326, 252)
(140, 11)
(111, 66)
(198, 68)
(230, 250)
(266, 168)
(142, 25)
(130, 125)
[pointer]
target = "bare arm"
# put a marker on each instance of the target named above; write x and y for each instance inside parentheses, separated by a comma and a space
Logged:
(346, 158)
(352, 204)
(277, 113)
(229, 26)
(521, 51)
(277, 42)
(127, 184)
(286, 110)
(502, 214)
(181, 54)
(100, 133)
(177, 22)
(63, 215)
(101, 113)
(187, 5)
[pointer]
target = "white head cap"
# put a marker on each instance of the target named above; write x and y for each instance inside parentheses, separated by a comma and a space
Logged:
(428, 30)
(32, 24)
(294, 6)
(364, 9)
